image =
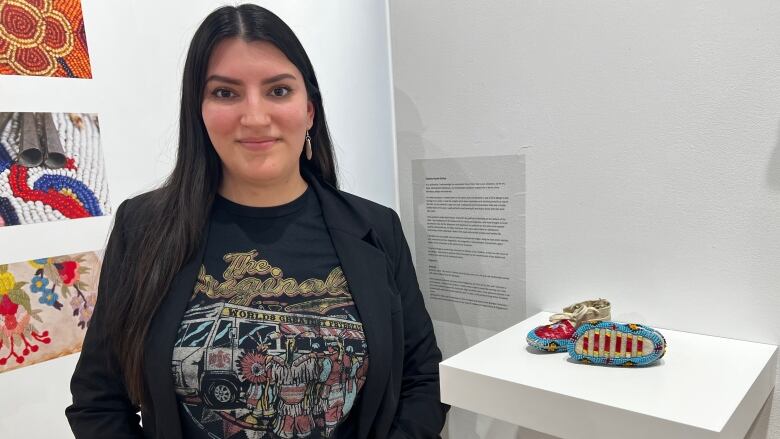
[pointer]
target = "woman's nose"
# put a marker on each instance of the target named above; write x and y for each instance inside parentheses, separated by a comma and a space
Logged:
(255, 112)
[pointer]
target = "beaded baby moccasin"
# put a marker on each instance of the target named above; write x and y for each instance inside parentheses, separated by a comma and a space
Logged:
(616, 344)
(555, 336)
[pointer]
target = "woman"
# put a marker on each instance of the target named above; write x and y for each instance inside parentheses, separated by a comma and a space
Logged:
(237, 300)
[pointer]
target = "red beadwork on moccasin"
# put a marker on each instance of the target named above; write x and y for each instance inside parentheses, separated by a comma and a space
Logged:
(555, 336)
(562, 330)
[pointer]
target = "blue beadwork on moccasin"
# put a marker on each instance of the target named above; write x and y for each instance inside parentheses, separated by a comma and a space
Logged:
(616, 344)
(546, 344)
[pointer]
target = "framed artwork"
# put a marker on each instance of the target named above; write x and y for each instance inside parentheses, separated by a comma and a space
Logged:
(51, 168)
(45, 307)
(43, 38)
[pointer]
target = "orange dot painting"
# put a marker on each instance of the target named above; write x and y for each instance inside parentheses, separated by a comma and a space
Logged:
(43, 38)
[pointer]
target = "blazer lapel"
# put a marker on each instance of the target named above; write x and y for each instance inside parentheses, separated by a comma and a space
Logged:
(365, 268)
(158, 352)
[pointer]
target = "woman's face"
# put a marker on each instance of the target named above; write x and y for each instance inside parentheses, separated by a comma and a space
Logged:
(256, 112)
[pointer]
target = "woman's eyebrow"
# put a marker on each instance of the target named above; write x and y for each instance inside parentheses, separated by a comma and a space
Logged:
(278, 78)
(223, 79)
(238, 82)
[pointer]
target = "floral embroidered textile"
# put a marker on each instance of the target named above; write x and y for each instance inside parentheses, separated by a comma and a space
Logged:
(43, 38)
(45, 307)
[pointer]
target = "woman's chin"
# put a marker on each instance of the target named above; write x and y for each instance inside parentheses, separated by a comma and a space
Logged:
(265, 175)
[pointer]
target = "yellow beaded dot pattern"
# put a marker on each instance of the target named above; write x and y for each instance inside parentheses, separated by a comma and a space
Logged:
(43, 38)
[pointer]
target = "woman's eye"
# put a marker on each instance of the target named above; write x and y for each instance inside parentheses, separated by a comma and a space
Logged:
(223, 93)
(280, 91)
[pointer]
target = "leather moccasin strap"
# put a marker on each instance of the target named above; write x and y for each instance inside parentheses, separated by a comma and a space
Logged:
(578, 313)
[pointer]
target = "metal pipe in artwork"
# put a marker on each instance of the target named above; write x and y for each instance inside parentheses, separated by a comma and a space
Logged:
(55, 153)
(5, 118)
(31, 152)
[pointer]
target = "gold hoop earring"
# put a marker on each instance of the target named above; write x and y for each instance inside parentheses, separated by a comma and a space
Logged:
(308, 146)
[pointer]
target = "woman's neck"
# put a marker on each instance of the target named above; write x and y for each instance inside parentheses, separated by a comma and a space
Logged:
(262, 195)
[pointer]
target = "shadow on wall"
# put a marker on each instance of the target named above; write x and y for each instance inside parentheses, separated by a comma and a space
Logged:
(408, 121)
(411, 145)
(773, 170)
(415, 141)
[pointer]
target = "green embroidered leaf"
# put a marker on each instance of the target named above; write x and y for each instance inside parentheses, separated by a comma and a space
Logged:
(34, 314)
(65, 291)
(82, 270)
(19, 285)
(19, 297)
(50, 272)
(3, 268)
(82, 285)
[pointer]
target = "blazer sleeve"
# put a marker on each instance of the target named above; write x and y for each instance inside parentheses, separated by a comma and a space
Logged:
(101, 407)
(420, 414)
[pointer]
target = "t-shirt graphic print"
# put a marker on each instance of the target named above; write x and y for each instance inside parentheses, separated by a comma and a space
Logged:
(263, 355)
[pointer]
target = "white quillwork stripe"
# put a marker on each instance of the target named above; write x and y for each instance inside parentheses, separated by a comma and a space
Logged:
(613, 343)
(592, 339)
(623, 345)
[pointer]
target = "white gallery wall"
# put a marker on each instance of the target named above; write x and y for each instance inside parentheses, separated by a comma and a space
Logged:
(137, 51)
(651, 135)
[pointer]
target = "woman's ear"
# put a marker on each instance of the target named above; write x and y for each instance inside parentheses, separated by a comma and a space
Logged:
(310, 113)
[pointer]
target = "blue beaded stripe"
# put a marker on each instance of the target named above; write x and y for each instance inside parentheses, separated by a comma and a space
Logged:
(66, 67)
(542, 343)
(659, 343)
(83, 193)
(8, 212)
(5, 158)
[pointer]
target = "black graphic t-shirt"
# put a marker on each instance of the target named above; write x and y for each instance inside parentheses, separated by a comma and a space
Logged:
(271, 344)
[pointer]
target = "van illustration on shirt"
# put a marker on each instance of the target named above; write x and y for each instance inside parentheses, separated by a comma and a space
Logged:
(267, 370)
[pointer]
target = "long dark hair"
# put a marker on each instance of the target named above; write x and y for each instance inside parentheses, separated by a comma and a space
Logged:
(162, 243)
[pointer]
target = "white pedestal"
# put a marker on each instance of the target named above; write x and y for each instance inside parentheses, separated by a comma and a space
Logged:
(704, 388)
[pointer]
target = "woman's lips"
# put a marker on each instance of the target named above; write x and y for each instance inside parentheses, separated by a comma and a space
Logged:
(258, 143)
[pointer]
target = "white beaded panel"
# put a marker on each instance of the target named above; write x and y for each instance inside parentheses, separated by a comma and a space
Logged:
(80, 137)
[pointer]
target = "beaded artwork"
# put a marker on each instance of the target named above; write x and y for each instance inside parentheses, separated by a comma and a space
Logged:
(551, 338)
(51, 168)
(616, 344)
(45, 307)
(43, 38)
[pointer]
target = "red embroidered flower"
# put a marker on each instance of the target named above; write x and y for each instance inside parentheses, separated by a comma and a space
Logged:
(69, 272)
(10, 322)
(8, 308)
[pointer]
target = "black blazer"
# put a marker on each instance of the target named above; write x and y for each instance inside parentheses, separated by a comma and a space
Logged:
(400, 398)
